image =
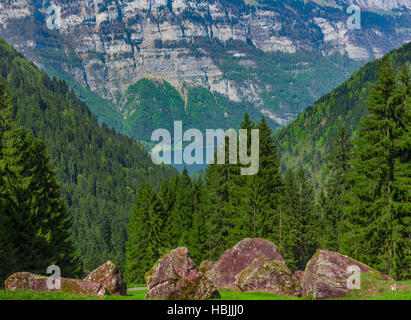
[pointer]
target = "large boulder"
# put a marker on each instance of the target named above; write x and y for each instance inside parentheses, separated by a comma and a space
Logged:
(31, 281)
(110, 277)
(233, 261)
(265, 274)
(327, 273)
(206, 266)
(176, 277)
(300, 275)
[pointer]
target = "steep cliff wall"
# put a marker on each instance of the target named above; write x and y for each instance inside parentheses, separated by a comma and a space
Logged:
(107, 45)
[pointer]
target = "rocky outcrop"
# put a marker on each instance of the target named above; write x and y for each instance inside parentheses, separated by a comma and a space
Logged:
(327, 273)
(176, 277)
(233, 261)
(265, 274)
(31, 281)
(110, 277)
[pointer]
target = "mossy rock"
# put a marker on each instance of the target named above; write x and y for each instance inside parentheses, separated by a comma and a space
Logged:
(265, 274)
(176, 277)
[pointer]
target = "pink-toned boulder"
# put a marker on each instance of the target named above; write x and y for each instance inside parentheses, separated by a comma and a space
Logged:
(31, 281)
(265, 274)
(110, 277)
(176, 277)
(326, 275)
(206, 266)
(224, 271)
(300, 275)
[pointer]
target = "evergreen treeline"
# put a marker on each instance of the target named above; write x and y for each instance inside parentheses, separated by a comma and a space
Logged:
(35, 226)
(363, 209)
(365, 206)
(209, 215)
(98, 169)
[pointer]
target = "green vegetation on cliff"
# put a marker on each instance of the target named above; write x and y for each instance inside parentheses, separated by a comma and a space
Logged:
(152, 103)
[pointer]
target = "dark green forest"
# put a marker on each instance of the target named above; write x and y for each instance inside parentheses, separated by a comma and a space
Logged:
(363, 209)
(97, 169)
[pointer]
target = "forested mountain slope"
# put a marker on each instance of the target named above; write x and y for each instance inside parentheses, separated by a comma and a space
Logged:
(308, 139)
(98, 169)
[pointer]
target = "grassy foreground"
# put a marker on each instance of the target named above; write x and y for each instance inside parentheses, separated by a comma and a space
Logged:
(225, 295)
(132, 295)
(371, 289)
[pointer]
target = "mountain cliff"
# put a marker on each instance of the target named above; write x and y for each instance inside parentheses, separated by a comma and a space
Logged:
(265, 53)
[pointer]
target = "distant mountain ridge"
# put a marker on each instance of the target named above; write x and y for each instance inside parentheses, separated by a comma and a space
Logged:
(251, 52)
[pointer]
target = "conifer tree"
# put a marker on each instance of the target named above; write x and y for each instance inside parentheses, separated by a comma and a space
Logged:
(291, 223)
(181, 217)
(269, 184)
(377, 224)
(34, 215)
(198, 233)
(8, 253)
(300, 222)
(144, 245)
(222, 217)
(336, 187)
(167, 197)
(243, 195)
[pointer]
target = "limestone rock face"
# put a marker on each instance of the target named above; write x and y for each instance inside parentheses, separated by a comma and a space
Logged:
(386, 5)
(116, 43)
(326, 275)
(176, 277)
(110, 277)
(265, 274)
(31, 281)
(224, 271)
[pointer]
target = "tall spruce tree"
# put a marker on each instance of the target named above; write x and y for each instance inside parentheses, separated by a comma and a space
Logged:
(167, 197)
(36, 226)
(258, 195)
(8, 252)
(290, 222)
(144, 245)
(243, 195)
(337, 185)
(223, 216)
(300, 238)
(219, 222)
(181, 216)
(198, 233)
(377, 224)
(269, 184)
